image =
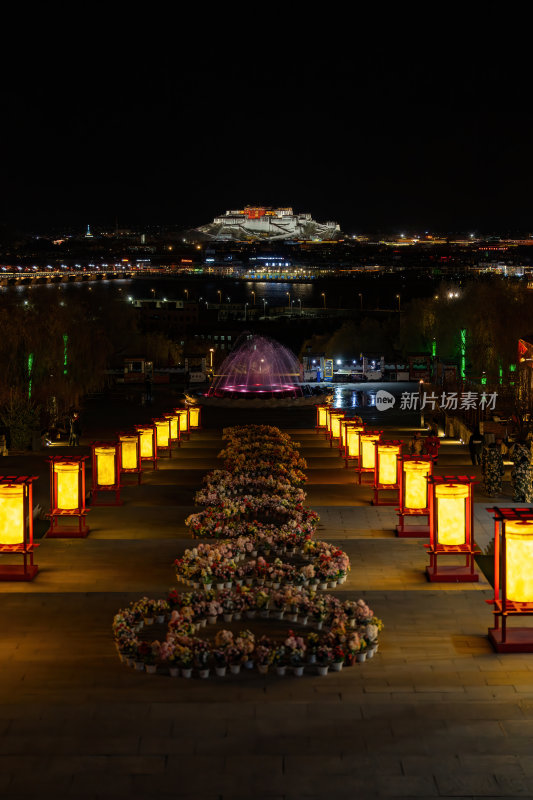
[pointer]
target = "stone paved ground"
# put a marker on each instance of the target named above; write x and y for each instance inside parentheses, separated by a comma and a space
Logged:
(435, 714)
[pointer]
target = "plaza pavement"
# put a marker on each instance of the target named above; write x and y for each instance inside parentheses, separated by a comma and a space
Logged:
(435, 714)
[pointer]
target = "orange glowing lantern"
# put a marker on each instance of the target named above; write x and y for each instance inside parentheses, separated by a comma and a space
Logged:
(367, 452)
(174, 427)
(335, 418)
(184, 422)
(130, 454)
(451, 524)
(16, 526)
(513, 578)
(195, 418)
(321, 418)
(386, 469)
(162, 435)
(414, 495)
(67, 496)
(106, 471)
(148, 444)
(351, 440)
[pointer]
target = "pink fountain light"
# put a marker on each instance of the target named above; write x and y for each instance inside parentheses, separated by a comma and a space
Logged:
(259, 367)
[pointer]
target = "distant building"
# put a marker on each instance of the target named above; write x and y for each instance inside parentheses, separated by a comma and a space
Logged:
(260, 222)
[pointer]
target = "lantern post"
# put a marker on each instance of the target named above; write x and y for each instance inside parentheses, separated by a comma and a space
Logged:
(195, 418)
(451, 528)
(183, 413)
(414, 495)
(162, 435)
(367, 452)
(106, 471)
(321, 417)
(351, 440)
(130, 454)
(335, 417)
(513, 579)
(387, 469)
(67, 497)
(174, 427)
(16, 526)
(148, 442)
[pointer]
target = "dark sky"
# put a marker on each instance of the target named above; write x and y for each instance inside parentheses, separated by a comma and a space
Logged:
(424, 125)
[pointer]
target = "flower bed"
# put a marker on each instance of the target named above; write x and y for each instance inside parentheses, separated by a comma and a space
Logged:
(253, 516)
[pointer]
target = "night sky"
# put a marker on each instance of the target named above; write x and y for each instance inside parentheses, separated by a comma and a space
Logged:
(398, 130)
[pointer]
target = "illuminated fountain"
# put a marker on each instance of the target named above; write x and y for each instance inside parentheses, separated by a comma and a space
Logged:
(260, 372)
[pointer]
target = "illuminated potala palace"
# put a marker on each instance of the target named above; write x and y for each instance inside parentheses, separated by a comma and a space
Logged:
(259, 222)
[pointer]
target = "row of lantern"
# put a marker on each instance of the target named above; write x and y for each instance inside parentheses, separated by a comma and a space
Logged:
(110, 461)
(447, 503)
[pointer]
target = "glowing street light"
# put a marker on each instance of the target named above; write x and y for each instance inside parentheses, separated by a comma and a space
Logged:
(399, 302)
(289, 296)
(361, 300)
(387, 469)
(451, 527)
(106, 471)
(211, 351)
(414, 494)
(186, 291)
(323, 295)
(16, 526)
(67, 496)
(219, 292)
(253, 293)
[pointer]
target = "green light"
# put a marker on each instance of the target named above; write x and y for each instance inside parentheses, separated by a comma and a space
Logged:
(512, 367)
(483, 380)
(434, 348)
(65, 353)
(30, 369)
(501, 374)
(463, 352)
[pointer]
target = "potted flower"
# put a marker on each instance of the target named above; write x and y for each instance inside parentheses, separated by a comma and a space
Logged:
(161, 609)
(201, 653)
(150, 655)
(312, 646)
(295, 647)
(338, 656)
(261, 602)
(184, 658)
(221, 661)
(280, 660)
(246, 643)
(213, 610)
(263, 654)
(235, 658)
(323, 659)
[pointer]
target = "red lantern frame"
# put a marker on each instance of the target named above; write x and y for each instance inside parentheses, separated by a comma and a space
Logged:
(28, 570)
(378, 487)
(349, 423)
(185, 433)
(175, 417)
(98, 488)
(506, 639)
(359, 468)
(163, 448)
(197, 408)
(451, 573)
(321, 407)
(56, 513)
(153, 458)
(340, 415)
(404, 531)
(131, 470)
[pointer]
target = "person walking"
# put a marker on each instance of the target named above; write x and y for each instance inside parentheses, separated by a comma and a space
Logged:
(476, 444)
(492, 469)
(522, 473)
(76, 426)
(416, 445)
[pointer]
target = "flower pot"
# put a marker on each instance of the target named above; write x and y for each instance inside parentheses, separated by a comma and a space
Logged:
(212, 620)
(220, 672)
(341, 580)
(227, 617)
(203, 673)
(337, 666)
(313, 586)
(250, 614)
(319, 624)
(237, 615)
(278, 614)
(160, 619)
(281, 671)
(264, 613)
(239, 582)
(228, 584)
(332, 584)
(249, 664)
(371, 651)
(186, 672)
(220, 586)
(302, 620)
(249, 581)
(311, 658)
(207, 587)
(139, 666)
(129, 662)
(196, 584)
(292, 617)
(321, 669)
(275, 585)
(151, 669)
(234, 669)
(174, 672)
(254, 553)
(148, 620)
(298, 671)
(262, 669)
(360, 657)
(323, 585)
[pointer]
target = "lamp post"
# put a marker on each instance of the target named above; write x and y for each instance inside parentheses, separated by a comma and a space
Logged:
(321, 417)
(323, 295)
(265, 303)
(16, 526)
(351, 440)
(301, 309)
(253, 293)
(186, 293)
(245, 309)
(211, 351)
(147, 436)
(195, 415)
(399, 302)
(106, 471)
(67, 496)
(367, 452)
(219, 292)
(414, 495)
(163, 435)
(451, 524)
(361, 300)
(130, 454)
(513, 578)
(289, 296)
(387, 469)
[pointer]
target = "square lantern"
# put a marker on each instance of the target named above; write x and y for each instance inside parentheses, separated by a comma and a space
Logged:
(67, 497)
(106, 471)
(148, 443)
(387, 469)
(451, 528)
(367, 452)
(174, 427)
(195, 418)
(184, 422)
(16, 526)
(414, 495)
(162, 436)
(130, 454)
(351, 440)
(321, 417)
(335, 418)
(513, 578)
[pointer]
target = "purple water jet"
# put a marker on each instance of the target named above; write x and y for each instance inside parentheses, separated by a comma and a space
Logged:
(258, 368)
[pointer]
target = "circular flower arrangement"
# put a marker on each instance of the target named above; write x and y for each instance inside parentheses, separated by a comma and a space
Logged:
(257, 516)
